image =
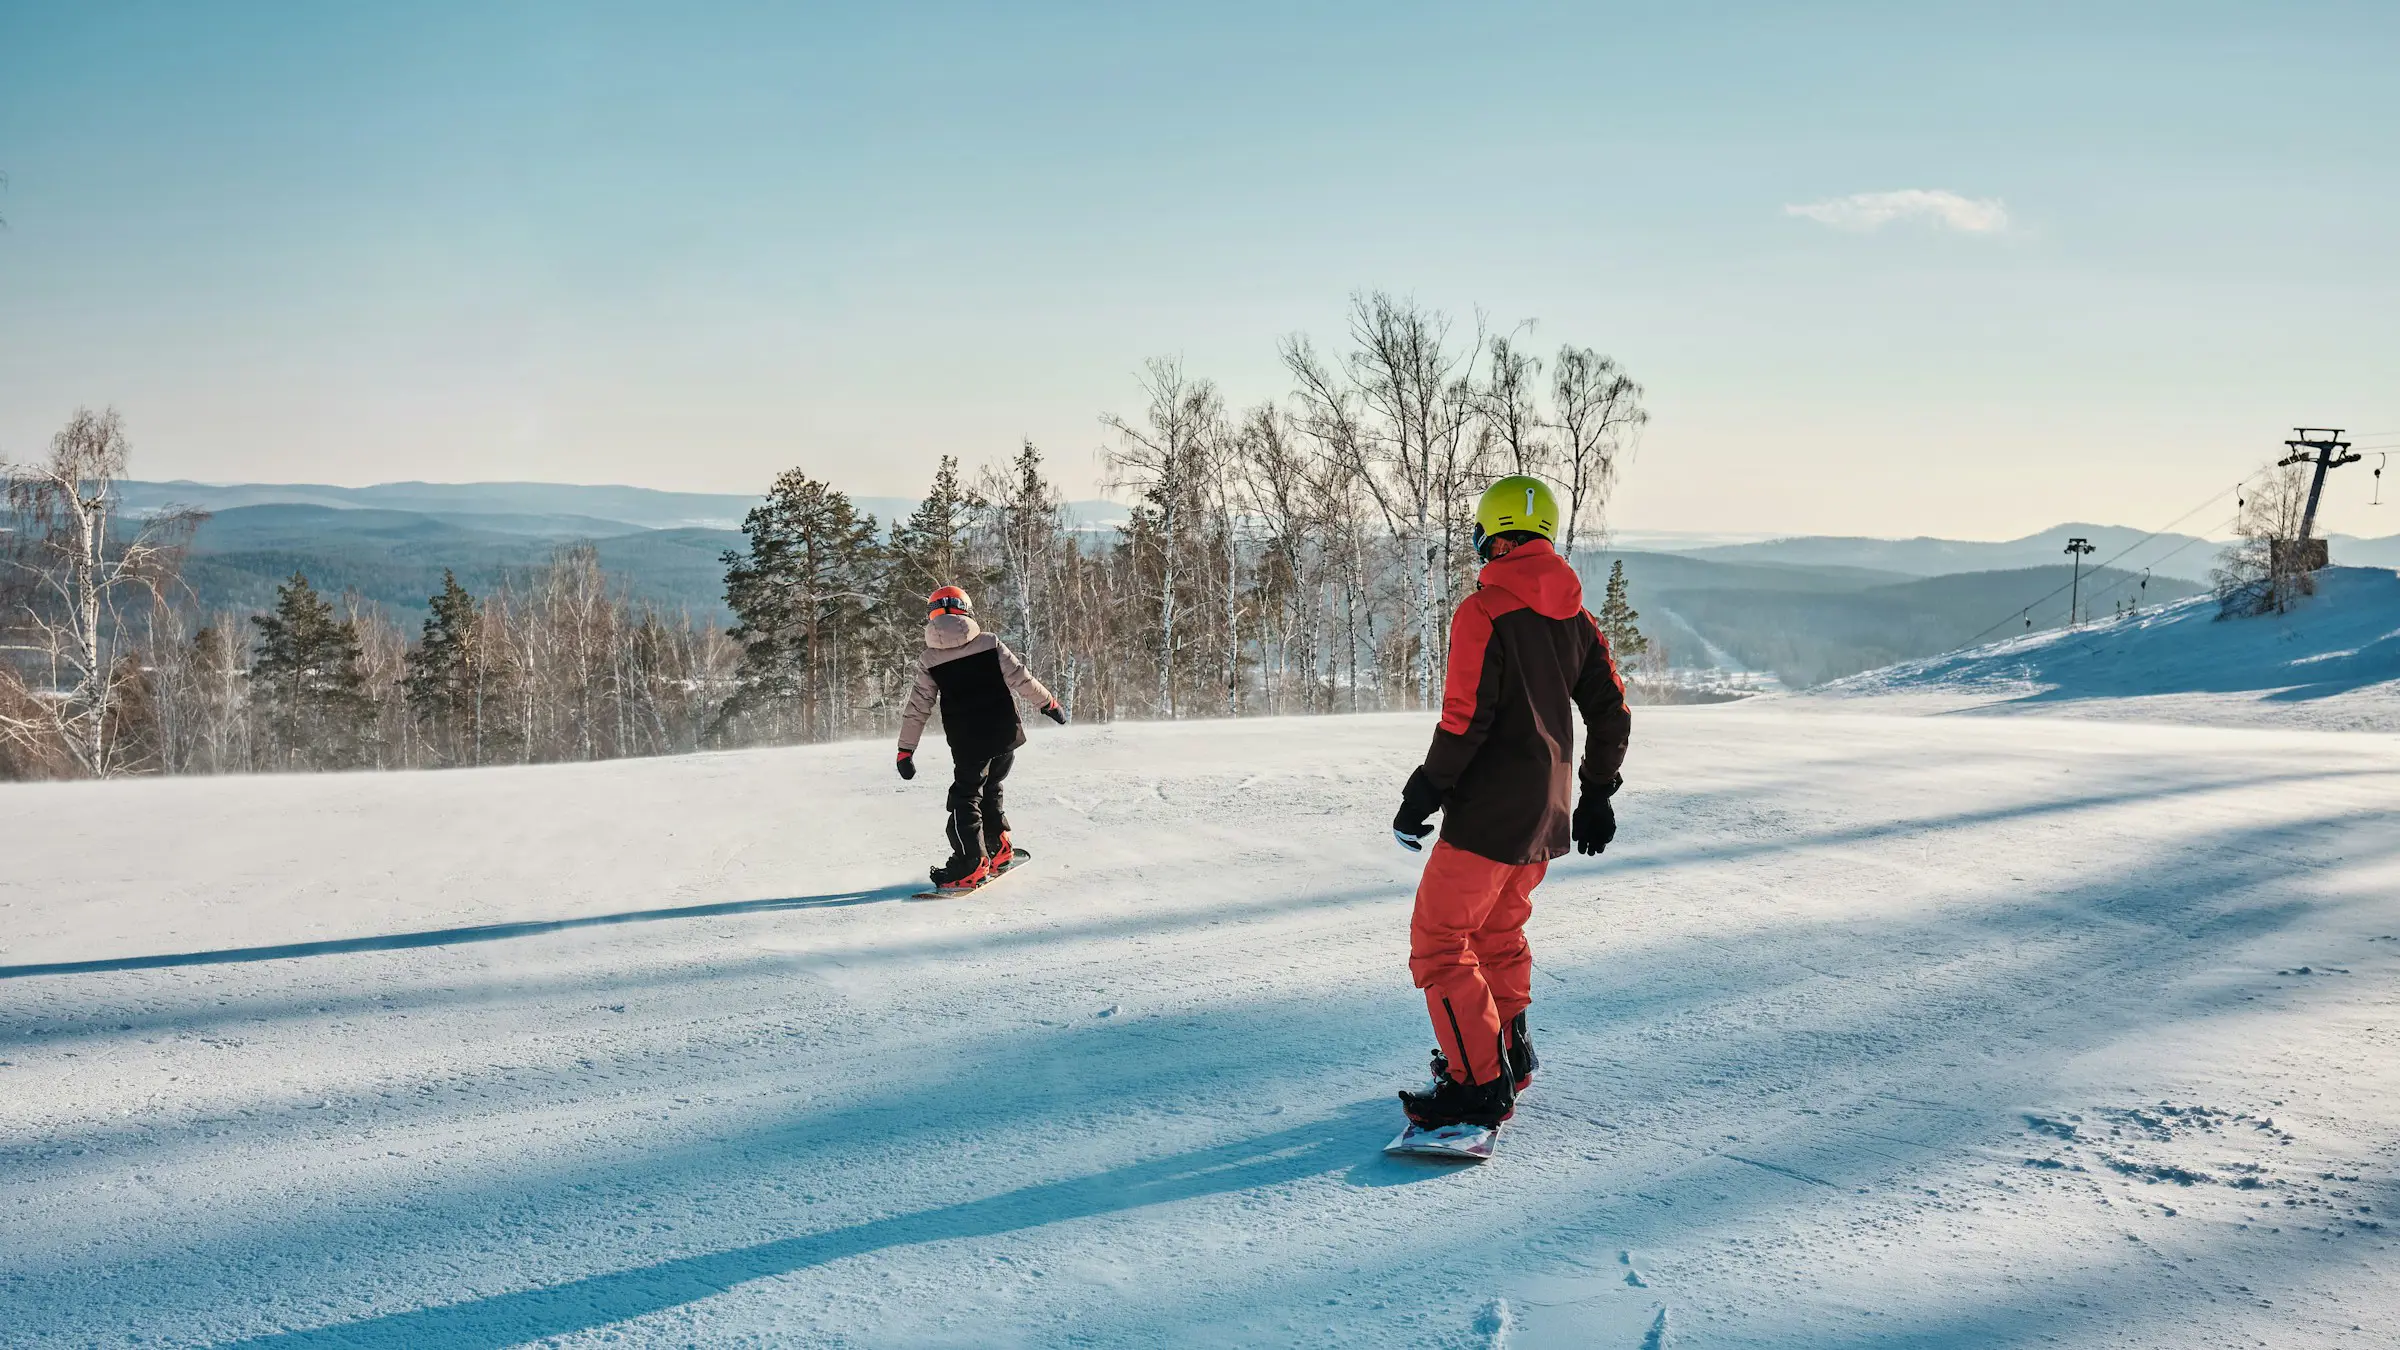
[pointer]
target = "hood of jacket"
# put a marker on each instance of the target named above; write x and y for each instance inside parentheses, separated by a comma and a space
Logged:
(944, 631)
(1535, 574)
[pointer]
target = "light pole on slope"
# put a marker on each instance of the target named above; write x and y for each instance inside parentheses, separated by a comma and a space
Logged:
(2077, 546)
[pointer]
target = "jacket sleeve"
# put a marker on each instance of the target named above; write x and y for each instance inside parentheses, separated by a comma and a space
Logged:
(921, 697)
(1470, 692)
(1020, 680)
(1607, 722)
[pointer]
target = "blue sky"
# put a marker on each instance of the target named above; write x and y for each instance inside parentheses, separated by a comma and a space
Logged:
(688, 246)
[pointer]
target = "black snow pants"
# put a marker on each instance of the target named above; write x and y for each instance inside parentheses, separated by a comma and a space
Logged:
(976, 820)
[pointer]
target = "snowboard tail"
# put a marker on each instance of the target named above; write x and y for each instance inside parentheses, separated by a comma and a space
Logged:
(1020, 858)
(1450, 1143)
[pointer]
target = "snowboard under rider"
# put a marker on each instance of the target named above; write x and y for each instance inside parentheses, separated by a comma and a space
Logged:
(976, 680)
(1524, 658)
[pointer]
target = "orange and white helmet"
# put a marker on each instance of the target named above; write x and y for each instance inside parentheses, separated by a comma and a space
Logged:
(948, 600)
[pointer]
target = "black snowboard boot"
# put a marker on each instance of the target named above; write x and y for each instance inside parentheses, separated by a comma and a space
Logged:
(963, 869)
(1447, 1101)
(1521, 1059)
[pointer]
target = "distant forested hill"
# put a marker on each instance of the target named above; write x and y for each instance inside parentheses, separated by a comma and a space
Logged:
(396, 558)
(1808, 625)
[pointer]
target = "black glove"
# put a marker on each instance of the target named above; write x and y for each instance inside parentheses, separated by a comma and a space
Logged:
(1055, 713)
(1595, 824)
(908, 764)
(1418, 801)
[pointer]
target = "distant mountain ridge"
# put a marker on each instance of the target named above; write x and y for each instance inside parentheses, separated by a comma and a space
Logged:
(579, 510)
(623, 509)
(604, 508)
(2184, 556)
(2176, 555)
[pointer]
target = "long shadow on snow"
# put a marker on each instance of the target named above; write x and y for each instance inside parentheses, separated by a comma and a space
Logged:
(2202, 880)
(614, 1296)
(50, 1025)
(1734, 849)
(999, 1083)
(446, 937)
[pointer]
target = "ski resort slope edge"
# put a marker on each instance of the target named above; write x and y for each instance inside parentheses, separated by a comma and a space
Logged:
(1870, 1031)
(2331, 662)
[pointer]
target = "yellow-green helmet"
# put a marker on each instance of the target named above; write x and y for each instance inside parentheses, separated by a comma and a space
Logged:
(1517, 502)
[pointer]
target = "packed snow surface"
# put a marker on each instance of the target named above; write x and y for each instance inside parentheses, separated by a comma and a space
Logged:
(2330, 662)
(1871, 1031)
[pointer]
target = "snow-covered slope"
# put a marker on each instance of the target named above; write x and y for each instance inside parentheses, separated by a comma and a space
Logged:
(1870, 1032)
(2332, 662)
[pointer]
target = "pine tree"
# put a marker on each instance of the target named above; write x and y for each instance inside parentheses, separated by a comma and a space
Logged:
(306, 683)
(451, 684)
(1616, 619)
(928, 550)
(801, 593)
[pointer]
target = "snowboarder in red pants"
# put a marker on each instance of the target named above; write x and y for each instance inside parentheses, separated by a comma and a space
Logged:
(1524, 658)
(976, 680)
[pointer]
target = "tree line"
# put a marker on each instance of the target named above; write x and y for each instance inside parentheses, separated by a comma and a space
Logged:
(1301, 555)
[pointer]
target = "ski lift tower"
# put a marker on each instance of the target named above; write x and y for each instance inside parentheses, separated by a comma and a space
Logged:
(2325, 446)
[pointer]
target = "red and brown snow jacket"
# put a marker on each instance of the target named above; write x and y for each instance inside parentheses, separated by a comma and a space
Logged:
(971, 675)
(1524, 656)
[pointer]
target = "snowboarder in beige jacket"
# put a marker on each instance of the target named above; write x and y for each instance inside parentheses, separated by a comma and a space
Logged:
(975, 680)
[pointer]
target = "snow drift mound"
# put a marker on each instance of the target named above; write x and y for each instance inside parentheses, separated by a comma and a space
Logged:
(2332, 661)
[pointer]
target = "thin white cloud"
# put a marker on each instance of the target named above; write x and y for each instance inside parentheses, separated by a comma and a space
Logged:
(1867, 211)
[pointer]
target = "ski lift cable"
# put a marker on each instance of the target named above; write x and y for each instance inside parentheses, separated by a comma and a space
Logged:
(2143, 576)
(2228, 523)
(2120, 553)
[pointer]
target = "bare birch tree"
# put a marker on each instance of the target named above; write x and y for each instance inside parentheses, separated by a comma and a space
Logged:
(1020, 516)
(1597, 411)
(1164, 460)
(2264, 570)
(1509, 403)
(79, 574)
(1271, 476)
(1396, 417)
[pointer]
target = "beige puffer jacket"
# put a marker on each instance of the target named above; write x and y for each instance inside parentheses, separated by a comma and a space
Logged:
(977, 716)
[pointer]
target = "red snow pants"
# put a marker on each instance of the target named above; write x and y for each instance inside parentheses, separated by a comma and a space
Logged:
(1467, 951)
